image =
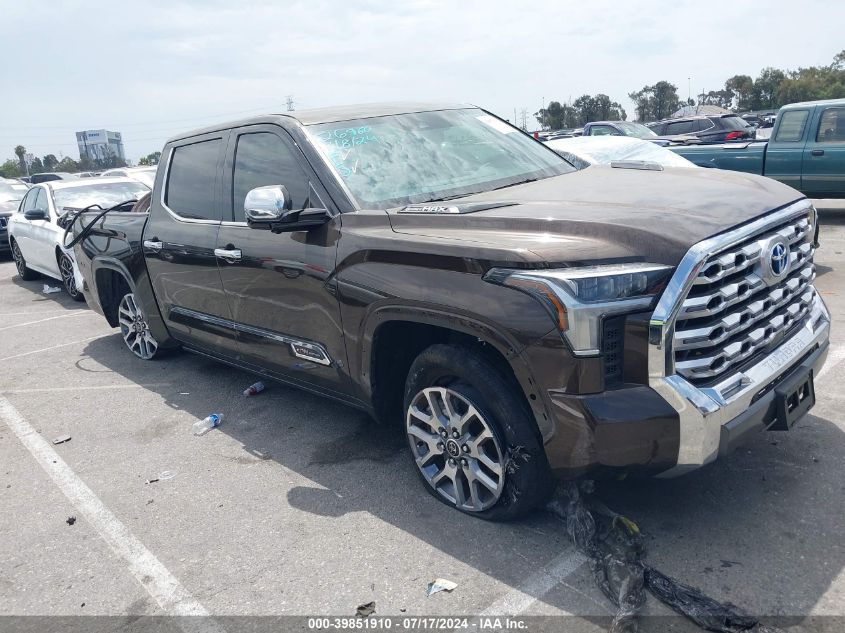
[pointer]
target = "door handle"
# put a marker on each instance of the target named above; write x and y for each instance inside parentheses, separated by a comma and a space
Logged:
(152, 245)
(231, 256)
(817, 152)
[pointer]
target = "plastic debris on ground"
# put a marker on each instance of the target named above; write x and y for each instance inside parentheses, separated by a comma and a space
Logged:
(204, 426)
(254, 388)
(438, 585)
(366, 609)
(615, 547)
(48, 290)
(61, 439)
(163, 476)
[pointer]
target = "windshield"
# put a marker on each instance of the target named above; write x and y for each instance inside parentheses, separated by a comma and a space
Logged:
(146, 176)
(10, 192)
(637, 130)
(104, 194)
(410, 158)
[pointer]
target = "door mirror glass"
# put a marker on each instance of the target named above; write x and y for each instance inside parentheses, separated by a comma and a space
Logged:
(35, 214)
(264, 205)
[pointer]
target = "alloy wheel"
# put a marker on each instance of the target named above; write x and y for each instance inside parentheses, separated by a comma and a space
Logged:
(455, 449)
(20, 264)
(68, 278)
(135, 329)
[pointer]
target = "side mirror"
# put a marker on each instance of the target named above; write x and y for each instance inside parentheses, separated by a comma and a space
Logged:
(35, 214)
(269, 208)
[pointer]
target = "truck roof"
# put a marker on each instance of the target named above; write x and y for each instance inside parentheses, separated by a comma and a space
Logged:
(329, 115)
(822, 102)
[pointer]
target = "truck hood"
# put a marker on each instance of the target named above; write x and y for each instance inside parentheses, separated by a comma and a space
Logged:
(600, 214)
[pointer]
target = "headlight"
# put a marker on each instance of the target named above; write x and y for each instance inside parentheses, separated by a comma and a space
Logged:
(578, 298)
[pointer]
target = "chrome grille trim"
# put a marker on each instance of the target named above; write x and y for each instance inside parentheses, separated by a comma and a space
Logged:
(730, 313)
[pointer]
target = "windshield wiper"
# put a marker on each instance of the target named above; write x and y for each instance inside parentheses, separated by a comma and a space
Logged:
(444, 198)
(514, 184)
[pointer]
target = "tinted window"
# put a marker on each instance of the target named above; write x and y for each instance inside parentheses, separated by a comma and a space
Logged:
(41, 201)
(679, 127)
(602, 130)
(190, 185)
(832, 126)
(263, 159)
(734, 123)
(29, 203)
(792, 125)
(704, 124)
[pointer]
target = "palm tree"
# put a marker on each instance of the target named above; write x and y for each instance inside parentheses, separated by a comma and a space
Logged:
(20, 150)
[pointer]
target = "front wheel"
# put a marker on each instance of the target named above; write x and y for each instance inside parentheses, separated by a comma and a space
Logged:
(26, 274)
(135, 329)
(472, 435)
(69, 278)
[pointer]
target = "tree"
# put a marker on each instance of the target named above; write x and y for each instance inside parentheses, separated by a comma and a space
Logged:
(741, 88)
(720, 98)
(68, 164)
(764, 95)
(50, 161)
(655, 102)
(10, 169)
(20, 152)
(150, 159)
(556, 116)
(36, 167)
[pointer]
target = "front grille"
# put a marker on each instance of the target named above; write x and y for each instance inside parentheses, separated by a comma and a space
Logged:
(613, 340)
(732, 315)
(2, 224)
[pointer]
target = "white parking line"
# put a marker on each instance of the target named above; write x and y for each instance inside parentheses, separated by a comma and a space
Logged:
(165, 589)
(31, 313)
(834, 357)
(519, 599)
(62, 316)
(87, 388)
(47, 349)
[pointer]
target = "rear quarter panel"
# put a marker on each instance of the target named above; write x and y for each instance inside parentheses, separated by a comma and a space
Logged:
(745, 157)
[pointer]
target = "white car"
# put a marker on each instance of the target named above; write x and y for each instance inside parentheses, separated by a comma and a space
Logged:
(146, 175)
(604, 150)
(35, 235)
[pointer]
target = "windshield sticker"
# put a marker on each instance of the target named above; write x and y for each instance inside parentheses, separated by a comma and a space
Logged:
(347, 137)
(496, 124)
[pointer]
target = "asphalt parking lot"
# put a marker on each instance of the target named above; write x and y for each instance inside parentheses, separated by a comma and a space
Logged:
(299, 506)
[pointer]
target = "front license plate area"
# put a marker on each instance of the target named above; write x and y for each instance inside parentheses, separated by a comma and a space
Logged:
(793, 399)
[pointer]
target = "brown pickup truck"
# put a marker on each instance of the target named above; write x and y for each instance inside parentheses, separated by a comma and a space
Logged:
(440, 269)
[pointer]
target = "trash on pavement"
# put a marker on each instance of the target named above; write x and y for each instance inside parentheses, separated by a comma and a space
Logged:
(48, 290)
(255, 388)
(366, 609)
(440, 584)
(70, 520)
(204, 426)
(162, 476)
(615, 547)
(61, 439)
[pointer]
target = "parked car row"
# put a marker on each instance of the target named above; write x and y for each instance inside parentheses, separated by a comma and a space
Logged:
(33, 228)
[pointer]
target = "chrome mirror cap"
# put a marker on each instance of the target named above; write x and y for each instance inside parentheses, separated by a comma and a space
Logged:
(266, 204)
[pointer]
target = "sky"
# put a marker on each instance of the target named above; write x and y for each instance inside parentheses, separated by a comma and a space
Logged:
(153, 69)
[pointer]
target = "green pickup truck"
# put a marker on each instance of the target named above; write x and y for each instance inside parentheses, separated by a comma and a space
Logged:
(806, 150)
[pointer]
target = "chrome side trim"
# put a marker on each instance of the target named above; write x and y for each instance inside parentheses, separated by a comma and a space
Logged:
(307, 350)
(703, 411)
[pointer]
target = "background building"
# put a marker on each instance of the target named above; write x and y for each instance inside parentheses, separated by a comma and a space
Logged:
(100, 145)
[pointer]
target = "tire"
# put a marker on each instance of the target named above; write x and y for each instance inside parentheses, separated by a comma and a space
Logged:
(499, 469)
(135, 329)
(26, 274)
(68, 277)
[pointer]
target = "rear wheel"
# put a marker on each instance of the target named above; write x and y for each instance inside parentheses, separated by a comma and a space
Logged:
(27, 274)
(69, 278)
(472, 435)
(135, 329)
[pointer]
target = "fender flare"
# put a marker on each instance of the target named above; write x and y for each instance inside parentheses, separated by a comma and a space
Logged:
(472, 325)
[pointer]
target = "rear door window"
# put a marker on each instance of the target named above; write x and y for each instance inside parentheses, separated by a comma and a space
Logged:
(792, 125)
(191, 180)
(832, 126)
(263, 159)
(679, 127)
